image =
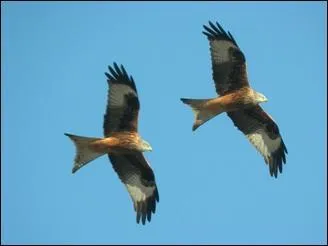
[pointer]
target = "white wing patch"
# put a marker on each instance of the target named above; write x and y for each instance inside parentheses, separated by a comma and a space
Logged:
(220, 50)
(137, 190)
(264, 144)
(117, 98)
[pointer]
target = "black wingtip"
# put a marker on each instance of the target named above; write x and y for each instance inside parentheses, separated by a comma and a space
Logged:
(216, 32)
(138, 213)
(156, 195)
(117, 69)
(143, 219)
(118, 75)
(145, 208)
(109, 77)
(149, 215)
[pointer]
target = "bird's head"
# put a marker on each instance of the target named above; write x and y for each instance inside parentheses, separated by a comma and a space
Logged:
(145, 146)
(260, 98)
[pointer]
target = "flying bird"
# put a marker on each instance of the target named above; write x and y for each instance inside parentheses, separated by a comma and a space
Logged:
(238, 99)
(122, 143)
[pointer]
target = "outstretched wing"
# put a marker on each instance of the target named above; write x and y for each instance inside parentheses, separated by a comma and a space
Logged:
(122, 104)
(228, 61)
(263, 133)
(138, 177)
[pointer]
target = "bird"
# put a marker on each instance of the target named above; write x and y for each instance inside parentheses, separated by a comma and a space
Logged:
(238, 99)
(122, 143)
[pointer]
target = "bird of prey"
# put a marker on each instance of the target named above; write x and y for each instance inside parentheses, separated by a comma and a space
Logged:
(122, 143)
(238, 99)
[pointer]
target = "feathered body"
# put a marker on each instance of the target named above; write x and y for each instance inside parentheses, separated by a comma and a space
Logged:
(238, 99)
(122, 143)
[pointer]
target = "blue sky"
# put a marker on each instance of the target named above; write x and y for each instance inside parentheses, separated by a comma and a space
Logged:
(214, 186)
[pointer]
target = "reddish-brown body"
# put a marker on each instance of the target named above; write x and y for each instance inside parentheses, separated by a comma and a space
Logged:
(120, 142)
(234, 100)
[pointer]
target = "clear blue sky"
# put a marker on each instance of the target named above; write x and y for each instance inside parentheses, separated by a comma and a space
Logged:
(214, 186)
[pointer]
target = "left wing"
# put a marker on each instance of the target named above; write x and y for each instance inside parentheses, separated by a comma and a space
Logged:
(123, 103)
(228, 61)
(263, 133)
(138, 177)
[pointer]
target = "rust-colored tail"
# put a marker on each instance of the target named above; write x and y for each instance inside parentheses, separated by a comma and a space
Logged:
(84, 154)
(201, 114)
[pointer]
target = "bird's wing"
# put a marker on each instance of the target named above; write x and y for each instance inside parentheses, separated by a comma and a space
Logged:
(263, 133)
(138, 177)
(122, 103)
(228, 61)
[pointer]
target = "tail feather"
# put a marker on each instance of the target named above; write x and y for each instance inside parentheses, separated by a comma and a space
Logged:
(84, 154)
(201, 114)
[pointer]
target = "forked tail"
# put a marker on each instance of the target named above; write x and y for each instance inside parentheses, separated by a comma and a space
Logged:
(84, 153)
(201, 114)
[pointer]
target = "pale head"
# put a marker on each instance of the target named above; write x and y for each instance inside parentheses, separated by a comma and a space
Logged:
(145, 146)
(259, 97)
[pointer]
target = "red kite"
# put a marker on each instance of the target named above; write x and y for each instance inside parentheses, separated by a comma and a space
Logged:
(238, 99)
(122, 143)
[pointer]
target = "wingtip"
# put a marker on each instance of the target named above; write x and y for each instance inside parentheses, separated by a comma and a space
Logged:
(138, 217)
(217, 23)
(116, 67)
(108, 75)
(149, 216)
(274, 173)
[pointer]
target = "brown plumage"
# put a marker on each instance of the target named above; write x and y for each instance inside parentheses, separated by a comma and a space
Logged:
(122, 143)
(238, 99)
